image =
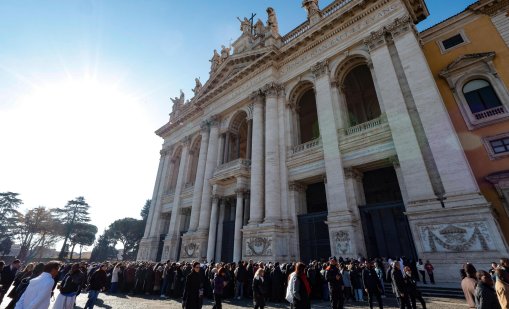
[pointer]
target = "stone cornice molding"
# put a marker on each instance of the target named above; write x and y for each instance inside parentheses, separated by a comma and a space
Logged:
(320, 69)
(489, 7)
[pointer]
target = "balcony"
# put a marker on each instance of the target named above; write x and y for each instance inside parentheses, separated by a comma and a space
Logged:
(309, 146)
(233, 169)
(489, 113)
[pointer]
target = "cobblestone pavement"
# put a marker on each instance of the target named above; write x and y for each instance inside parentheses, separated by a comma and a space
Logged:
(128, 302)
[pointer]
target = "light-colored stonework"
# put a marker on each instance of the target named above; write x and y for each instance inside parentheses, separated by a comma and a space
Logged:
(257, 84)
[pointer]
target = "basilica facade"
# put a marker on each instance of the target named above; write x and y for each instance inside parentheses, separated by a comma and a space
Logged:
(332, 139)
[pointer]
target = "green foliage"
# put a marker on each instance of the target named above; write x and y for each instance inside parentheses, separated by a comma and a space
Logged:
(75, 211)
(5, 246)
(104, 249)
(129, 232)
(145, 210)
(9, 204)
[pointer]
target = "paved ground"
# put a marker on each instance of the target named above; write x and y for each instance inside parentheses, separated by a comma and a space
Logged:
(128, 302)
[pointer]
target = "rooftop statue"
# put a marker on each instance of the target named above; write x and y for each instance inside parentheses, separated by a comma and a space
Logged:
(259, 28)
(216, 61)
(272, 24)
(225, 53)
(311, 7)
(177, 102)
(198, 86)
(245, 25)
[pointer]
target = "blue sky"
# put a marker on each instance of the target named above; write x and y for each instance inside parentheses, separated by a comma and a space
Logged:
(84, 84)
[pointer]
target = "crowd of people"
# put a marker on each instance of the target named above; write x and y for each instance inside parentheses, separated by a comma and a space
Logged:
(337, 280)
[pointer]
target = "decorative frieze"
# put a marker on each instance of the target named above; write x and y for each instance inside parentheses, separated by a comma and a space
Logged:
(258, 246)
(459, 237)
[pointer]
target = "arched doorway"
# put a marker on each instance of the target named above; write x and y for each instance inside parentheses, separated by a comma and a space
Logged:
(237, 139)
(308, 117)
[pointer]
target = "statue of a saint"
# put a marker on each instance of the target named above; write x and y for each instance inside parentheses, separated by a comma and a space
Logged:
(272, 24)
(198, 86)
(245, 25)
(216, 60)
(177, 102)
(311, 7)
(259, 28)
(225, 53)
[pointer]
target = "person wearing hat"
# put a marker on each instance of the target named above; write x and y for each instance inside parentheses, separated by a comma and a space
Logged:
(336, 286)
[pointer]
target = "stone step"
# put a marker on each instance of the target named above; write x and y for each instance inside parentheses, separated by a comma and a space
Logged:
(432, 291)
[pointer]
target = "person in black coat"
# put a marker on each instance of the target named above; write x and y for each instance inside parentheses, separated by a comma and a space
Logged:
(372, 285)
(98, 282)
(485, 295)
(259, 289)
(336, 286)
(399, 287)
(413, 291)
(7, 277)
(277, 283)
(193, 289)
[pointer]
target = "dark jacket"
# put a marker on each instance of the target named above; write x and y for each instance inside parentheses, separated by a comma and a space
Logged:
(411, 286)
(300, 295)
(398, 283)
(371, 281)
(258, 292)
(335, 285)
(192, 298)
(486, 297)
(218, 288)
(98, 280)
(71, 283)
(7, 277)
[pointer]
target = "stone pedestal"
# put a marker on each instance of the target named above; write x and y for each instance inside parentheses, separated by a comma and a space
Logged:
(148, 249)
(268, 243)
(454, 235)
(194, 247)
(346, 235)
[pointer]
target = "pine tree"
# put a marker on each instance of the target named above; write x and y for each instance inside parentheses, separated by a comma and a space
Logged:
(75, 211)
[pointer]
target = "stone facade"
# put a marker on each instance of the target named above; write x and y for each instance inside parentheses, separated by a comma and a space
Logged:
(237, 152)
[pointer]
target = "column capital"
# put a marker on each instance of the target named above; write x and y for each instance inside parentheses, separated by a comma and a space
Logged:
(272, 90)
(320, 69)
(204, 126)
(387, 33)
(166, 151)
(353, 173)
(257, 97)
(240, 192)
(214, 121)
(250, 108)
(296, 186)
(186, 141)
(215, 198)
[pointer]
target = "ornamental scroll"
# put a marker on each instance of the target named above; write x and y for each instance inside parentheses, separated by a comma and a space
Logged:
(461, 237)
(259, 246)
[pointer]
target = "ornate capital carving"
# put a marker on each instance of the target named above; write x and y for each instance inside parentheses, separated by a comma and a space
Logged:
(214, 121)
(186, 141)
(381, 37)
(401, 26)
(320, 69)
(204, 126)
(250, 108)
(240, 192)
(272, 89)
(257, 97)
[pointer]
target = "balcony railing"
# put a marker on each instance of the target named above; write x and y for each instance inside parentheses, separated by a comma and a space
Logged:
(309, 145)
(365, 126)
(334, 7)
(235, 163)
(500, 110)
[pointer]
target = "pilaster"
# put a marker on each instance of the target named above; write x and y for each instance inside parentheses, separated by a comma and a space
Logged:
(257, 161)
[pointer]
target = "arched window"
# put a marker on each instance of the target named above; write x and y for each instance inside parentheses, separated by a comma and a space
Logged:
(360, 95)
(308, 117)
(193, 162)
(480, 96)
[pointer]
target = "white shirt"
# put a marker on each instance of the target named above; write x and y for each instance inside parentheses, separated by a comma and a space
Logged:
(38, 293)
(114, 275)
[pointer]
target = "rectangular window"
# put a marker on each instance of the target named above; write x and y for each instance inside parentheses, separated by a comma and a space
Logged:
(500, 146)
(453, 41)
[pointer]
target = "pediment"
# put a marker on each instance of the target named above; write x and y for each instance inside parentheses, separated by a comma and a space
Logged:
(466, 61)
(233, 66)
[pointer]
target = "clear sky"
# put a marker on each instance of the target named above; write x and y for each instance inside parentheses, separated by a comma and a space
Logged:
(85, 83)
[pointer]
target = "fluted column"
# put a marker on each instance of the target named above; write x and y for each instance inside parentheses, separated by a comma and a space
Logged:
(155, 226)
(213, 229)
(237, 239)
(200, 173)
(257, 165)
(175, 221)
(209, 172)
(272, 172)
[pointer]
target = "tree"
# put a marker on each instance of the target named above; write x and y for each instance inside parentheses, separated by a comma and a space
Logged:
(9, 203)
(36, 229)
(129, 232)
(145, 210)
(5, 246)
(104, 249)
(83, 234)
(75, 211)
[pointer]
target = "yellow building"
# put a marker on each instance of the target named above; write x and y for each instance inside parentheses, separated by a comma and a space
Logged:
(469, 58)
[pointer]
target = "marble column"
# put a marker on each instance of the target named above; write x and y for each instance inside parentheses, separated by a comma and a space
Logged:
(220, 149)
(155, 226)
(272, 172)
(158, 189)
(237, 239)
(257, 161)
(284, 131)
(174, 228)
(209, 172)
(249, 140)
(213, 229)
(200, 173)
(413, 167)
(219, 240)
(446, 150)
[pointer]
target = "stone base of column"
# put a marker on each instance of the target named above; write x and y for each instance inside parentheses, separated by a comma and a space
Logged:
(451, 236)
(148, 249)
(170, 248)
(194, 246)
(346, 235)
(269, 243)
